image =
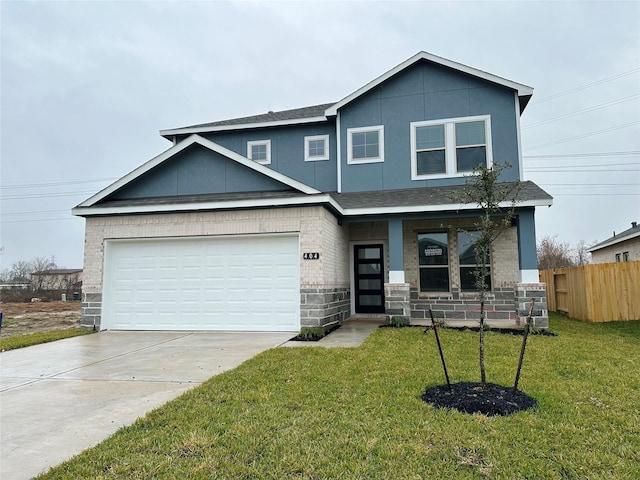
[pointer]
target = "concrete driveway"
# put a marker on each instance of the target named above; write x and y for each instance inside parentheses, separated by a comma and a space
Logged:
(59, 398)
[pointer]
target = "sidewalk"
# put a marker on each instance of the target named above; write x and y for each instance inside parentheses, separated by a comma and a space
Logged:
(351, 334)
(355, 330)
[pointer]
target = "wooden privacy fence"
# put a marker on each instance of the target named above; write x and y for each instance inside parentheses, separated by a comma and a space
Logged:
(601, 292)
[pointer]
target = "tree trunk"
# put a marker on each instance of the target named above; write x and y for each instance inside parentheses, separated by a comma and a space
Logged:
(483, 375)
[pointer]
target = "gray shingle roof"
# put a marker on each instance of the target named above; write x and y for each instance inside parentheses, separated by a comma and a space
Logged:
(186, 199)
(428, 196)
(293, 114)
(410, 197)
(619, 237)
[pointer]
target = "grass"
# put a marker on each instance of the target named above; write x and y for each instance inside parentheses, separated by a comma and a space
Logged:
(317, 413)
(20, 341)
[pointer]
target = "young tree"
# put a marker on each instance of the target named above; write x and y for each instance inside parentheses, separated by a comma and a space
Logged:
(496, 202)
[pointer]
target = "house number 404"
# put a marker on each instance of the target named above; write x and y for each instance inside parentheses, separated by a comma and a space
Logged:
(311, 256)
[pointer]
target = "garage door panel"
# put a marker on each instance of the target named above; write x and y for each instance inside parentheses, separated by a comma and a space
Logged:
(221, 283)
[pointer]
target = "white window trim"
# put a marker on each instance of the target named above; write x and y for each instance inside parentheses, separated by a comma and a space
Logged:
(449, 146)
(260, 142)
(307, 156)
(359, 161)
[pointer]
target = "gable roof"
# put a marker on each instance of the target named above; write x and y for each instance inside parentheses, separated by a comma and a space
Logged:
(524, 92)
(628, 234)
(196, 139)
(320, 113)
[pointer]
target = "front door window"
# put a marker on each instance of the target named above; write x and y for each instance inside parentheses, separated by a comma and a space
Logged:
(369, 278)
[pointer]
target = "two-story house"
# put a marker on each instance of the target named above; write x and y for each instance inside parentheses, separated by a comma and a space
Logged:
(306, 217)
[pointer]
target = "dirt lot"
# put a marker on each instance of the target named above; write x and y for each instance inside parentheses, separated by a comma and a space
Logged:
(22, 318)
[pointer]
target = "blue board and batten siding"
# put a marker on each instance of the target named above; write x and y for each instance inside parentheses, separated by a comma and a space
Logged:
(425, 92)
(196, 171)
(287, 151)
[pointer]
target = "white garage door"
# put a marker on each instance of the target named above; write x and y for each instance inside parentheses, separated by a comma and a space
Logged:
(212, 283)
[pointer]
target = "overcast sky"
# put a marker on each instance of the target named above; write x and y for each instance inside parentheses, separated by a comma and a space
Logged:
(86, 86)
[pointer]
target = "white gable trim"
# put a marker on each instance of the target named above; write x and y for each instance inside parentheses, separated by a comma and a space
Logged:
(242, 126)
(523, 90)
(154, 162)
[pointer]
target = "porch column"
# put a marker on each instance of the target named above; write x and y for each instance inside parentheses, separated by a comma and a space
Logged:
(396, 293)
(396, 251)
(527, 247)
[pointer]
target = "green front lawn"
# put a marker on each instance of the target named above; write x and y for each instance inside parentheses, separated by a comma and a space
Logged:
(356, 413)
(29, 339)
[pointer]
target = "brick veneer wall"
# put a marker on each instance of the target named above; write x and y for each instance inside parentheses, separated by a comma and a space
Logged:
(318, 231)
(499, 305)
(505, 270)
(503, 302)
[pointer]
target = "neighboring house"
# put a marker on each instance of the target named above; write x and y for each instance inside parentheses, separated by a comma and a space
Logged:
(57, 279)
(306, 217)
(623, 247)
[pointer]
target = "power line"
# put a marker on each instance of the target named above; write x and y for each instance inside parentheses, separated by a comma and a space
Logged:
(579, 112)
(46, 195)
(584, 155)
(568, 139)
(36, 212)
(596, 194)
(57, 184)
(536, 167)
(591, 184)
(571, 170)
(39, 220)
(583, 87)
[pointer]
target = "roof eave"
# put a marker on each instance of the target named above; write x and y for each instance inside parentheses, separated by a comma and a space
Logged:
(323, 198)
(170, 133)
(613, 241)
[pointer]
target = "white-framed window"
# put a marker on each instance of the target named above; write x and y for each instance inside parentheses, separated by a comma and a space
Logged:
(259, 151)
(316, 148)
(365, 144)
(433, 261)
(618, 257)
(625, 256)
(450, 147)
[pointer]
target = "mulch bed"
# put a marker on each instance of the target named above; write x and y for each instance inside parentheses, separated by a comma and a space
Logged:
(508, 331)
(314, 337)
(474, 397)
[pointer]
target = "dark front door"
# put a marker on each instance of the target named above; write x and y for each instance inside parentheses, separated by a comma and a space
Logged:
(369, 278)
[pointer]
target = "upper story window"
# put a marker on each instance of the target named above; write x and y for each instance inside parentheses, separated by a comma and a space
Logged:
(625, 256)
(365, 144)
(617, 257)
(316, 148)
(259, 151)
(451, 147)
